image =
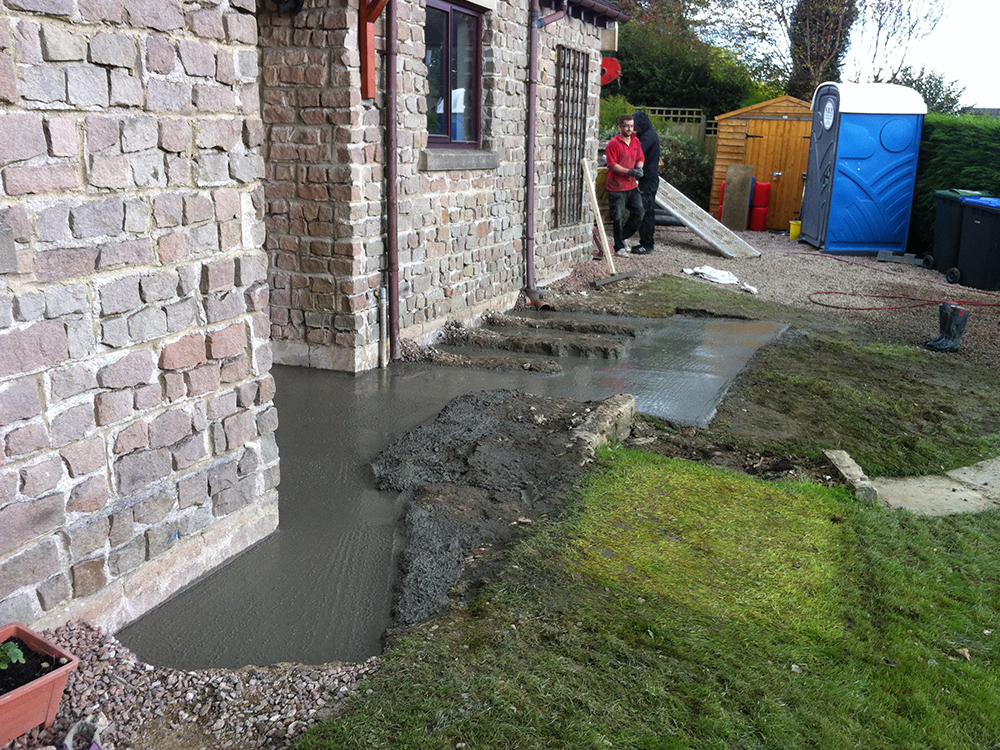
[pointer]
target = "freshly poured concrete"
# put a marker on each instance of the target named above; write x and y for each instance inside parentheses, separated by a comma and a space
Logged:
(320, 588)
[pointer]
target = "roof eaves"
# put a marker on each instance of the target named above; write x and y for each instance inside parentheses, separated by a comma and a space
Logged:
(597, 12)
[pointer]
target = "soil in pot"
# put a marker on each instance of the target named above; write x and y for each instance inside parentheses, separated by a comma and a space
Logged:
(35, 665)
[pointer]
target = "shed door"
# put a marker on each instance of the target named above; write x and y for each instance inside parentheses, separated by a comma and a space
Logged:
(822, 166)
(778, 149)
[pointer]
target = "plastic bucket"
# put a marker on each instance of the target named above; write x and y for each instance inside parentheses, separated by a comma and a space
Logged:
(794, 229)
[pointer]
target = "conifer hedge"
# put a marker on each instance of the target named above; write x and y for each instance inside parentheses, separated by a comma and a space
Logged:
(956, 152)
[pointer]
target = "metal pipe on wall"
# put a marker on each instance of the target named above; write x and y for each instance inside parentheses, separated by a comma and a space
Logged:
(392, 176)
(537, 22)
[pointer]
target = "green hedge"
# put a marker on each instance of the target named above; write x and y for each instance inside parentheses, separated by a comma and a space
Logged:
(956, 152)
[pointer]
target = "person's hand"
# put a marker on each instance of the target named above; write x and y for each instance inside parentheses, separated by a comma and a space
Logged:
(637, 172)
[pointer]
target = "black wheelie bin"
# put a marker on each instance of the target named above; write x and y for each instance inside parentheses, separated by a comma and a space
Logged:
(979, 250)
(948, 231)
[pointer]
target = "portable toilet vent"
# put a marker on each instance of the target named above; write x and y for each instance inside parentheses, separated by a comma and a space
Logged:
(862, 167)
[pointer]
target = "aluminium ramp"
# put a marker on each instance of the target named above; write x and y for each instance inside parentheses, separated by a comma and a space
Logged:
(700, 222)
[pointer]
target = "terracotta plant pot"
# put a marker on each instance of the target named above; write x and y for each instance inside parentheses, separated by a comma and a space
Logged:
(34, 704)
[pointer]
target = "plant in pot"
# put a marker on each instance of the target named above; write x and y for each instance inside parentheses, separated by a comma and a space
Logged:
(33, 675)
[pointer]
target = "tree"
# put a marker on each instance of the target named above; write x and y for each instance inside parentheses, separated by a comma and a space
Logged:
(797, 42)
(755, 32)
(818, 36)
(939, 95)
(665, 63)
(886, 31)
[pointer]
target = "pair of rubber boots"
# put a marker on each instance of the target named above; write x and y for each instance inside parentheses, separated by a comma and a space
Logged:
(953, 320)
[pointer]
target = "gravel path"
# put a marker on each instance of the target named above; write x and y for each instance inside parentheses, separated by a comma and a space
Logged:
(787, 272)
(144, 707)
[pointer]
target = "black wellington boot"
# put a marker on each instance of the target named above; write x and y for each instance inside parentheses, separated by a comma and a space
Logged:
(944, 314)
(957, 322)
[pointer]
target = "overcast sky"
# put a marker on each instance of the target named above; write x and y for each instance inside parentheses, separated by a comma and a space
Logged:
(965, 47)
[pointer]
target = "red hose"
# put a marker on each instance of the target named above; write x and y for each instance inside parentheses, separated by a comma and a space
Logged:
(917, 301)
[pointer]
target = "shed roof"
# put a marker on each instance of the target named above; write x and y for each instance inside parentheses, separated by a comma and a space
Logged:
(877, 98)
(786, 101)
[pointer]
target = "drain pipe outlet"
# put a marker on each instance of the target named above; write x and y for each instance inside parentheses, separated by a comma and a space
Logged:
(537, 22)
(383, 327)
(533, 298)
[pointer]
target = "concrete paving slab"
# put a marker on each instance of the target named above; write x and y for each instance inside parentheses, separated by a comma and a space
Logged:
(984, 476)
(933, 496)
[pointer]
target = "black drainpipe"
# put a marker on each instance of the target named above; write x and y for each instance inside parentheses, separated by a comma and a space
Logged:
(392, 177)
(537, 22)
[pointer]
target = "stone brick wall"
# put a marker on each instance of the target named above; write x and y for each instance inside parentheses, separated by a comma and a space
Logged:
(136, 416)
(323, 150)
(461, 232)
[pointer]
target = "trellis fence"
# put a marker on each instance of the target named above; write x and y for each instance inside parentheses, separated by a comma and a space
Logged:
(690, 122)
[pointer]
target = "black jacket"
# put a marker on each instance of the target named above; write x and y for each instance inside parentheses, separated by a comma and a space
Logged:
(649, 139)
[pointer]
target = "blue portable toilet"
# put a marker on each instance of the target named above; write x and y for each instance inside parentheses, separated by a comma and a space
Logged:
(862, 167)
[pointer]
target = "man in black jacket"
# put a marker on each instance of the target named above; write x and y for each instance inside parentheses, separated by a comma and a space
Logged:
(649, 139)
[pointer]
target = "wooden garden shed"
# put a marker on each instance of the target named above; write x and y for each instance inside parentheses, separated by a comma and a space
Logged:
(773, 137)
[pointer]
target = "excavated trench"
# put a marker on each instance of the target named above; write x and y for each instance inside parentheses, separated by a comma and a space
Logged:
(368, 463)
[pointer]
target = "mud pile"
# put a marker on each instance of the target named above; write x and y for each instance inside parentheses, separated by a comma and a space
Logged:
(488, 465)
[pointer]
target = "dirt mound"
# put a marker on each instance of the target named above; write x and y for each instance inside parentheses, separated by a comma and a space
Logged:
(490, 463)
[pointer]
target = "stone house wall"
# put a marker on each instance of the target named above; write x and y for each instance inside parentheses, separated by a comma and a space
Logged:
(461, 231)
(136, 417)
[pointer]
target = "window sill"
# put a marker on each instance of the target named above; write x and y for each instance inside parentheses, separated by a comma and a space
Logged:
(453, 159)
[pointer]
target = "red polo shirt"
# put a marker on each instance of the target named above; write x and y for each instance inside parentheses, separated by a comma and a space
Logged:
(627, 155)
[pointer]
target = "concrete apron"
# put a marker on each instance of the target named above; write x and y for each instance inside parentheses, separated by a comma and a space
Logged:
(968, 490)
(320, 588)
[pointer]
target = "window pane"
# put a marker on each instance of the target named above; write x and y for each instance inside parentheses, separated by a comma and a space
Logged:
(436, 34)
(463, 76)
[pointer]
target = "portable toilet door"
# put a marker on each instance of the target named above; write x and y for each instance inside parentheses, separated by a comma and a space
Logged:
(862, 167)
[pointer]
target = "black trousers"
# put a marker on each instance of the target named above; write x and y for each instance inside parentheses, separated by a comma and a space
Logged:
(620, 201)
(648, 224)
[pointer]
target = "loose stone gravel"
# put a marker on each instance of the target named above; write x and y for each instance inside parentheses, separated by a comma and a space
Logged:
(142, 707)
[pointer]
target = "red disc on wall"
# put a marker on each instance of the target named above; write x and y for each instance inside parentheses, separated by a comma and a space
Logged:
(610, 70)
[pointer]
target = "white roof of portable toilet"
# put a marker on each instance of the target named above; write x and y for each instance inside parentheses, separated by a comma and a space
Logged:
(876, 98)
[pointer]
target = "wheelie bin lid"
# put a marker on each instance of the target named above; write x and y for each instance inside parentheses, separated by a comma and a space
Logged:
(956, 193)
(983, 202)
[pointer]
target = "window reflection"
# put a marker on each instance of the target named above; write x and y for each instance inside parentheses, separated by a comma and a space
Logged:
(435, 33)
(451, 36)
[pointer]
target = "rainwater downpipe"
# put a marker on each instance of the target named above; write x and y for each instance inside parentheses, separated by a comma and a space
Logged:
(537, 22)
(392, 177)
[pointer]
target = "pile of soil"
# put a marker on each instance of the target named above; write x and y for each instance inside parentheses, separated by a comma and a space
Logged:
(489, 464)
(687, 443)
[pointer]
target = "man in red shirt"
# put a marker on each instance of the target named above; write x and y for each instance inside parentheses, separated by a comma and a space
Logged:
(625, 161)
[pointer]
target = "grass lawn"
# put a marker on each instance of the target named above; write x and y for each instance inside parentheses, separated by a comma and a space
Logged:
(681, 606)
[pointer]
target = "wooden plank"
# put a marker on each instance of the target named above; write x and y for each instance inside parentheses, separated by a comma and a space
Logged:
(617, 277)
(609, 253)
(702, 224)
(730, 148)
(736, 206)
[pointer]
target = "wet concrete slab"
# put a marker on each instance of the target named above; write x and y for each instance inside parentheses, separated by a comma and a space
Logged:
(320, 589)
